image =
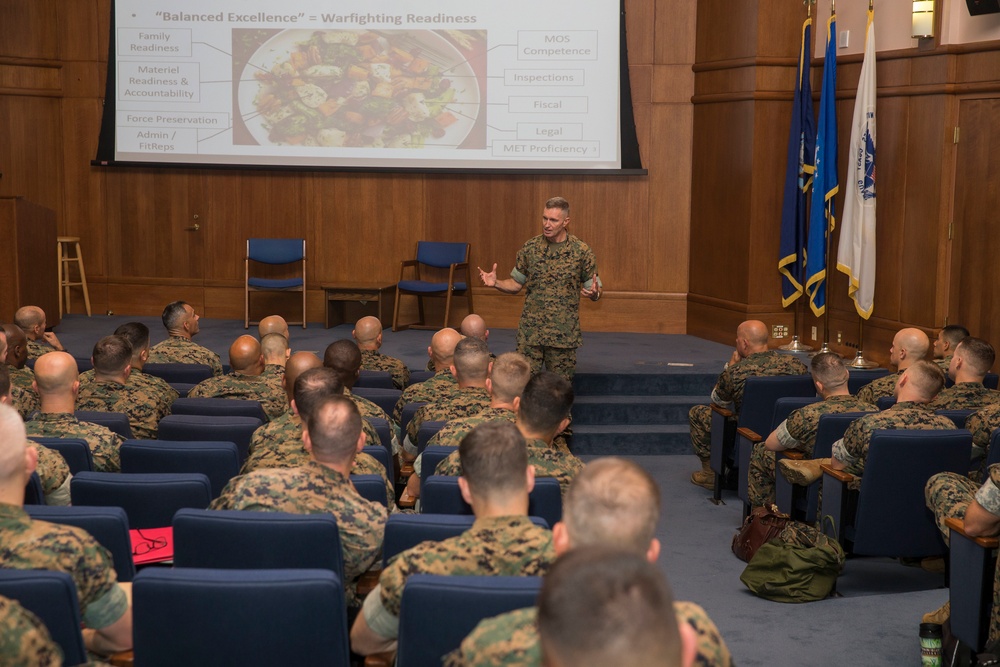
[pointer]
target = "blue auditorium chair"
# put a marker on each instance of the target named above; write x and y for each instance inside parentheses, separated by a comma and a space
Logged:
(409, 410)
(404, 531)
(116, 422)
(150, 500)
(76, 451)
(427, 431)
(437, 611)
(251, 618)
(51, 596)
(238, 430)
(219, 461)
(384, 432)
(33, 493)
(430, 458)
(374, 380)
(384, 398)
(416, 377)
(445, 268)
(382, 455)
(371, 487)
(440, 495)
(179, 373)
(957, 416)
(218, 407)
(859, 377)
(972, 564)
(108, 525)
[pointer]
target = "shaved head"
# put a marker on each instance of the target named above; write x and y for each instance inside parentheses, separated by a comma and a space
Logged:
(908, 346)
(298, 364)
(274, 347)
(754, 332)
(12, 459)
(28, 317)
(443, 347)
(344, 358)
(474, 326)
(55, 373)
(272, 324)
(17, 345)
(367, 331)
(244, 353)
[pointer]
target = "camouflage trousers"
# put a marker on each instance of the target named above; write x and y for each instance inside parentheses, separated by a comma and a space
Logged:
(948, 495)
(559, 360)
(760, 476)
(700, 418)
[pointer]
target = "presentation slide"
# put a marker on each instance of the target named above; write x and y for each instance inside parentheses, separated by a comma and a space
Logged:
(519, 84)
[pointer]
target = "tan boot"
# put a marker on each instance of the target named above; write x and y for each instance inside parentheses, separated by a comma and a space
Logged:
(939, 616)
(704, 477)
(803, 472)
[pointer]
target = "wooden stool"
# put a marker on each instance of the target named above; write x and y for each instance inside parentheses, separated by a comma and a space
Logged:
(64, 244)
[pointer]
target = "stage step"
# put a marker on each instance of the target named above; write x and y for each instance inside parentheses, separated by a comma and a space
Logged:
(644, 384)
(609, 440)
(634, 410)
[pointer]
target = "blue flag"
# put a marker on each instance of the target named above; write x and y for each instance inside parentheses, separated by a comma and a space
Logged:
(822, 219)
(798, 178)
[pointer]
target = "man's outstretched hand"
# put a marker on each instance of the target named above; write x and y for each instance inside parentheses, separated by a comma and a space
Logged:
(489, 279)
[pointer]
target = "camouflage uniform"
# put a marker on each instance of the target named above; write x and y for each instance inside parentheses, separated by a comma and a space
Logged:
(38, 545)
(24, 640)
(274, 374)
(943, 364)
(729, 389)
(549, 461)
(373, 360)
(180, 350)
(143, 409)
(552, 273)
(37, 348)
(452, 433)
(879, 387)
(982, 424)
(262, 388)
(441, 385)
(852, 449)
(104, 444)
(497, 546)
(152, 385)
(949, 495)
(25, 398)
(465, 403)
(511, 640)
(54, 473)
(964, 396)
(430, 362)
(278, 444)
(370, 410)
(315, 489)
(797, 432)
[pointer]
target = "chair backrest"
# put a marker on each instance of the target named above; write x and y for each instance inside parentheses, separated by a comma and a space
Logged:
(416, 377)
(885, 402)
(404, 531)
(859, 377)
(374, 379)
(760, 394)
(33, 492)
(194, 616)
(993, 456)
(892, 517)
(957, 416)
(219, 461)
(181, 373)
(440, 495)
(427, 431)
(51, 596)
(150, 500)
(830, 429)
(235, 539)
(441, 254)
(82, 365)
(238, 430)
(785, 406)
(117, 422)
(384, 398)
(437, 611)
(431, 457)
(409, 410)
(991, 380)
(371, 487)
(383, 430)
(276, 251)
(75, 450)
(218, 407)
(382, 455)
(108, 525)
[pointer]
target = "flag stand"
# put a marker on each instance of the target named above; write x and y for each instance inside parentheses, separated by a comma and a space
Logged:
(859, 359)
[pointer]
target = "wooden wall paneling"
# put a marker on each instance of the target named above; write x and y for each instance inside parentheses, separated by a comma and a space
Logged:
(84, 195)
(725, 30)
(779, 28)
(670, 199)
(79, 26)
(127, 297)
(639, 29)
(29, 28)
(31, 152)
(922, 230)
(675, 25)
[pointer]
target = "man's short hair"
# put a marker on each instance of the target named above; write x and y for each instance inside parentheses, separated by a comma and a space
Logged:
(334, 427)
(830, 369)
(978, 353)
(604, 606)
(927, 377)
(472, 359)
(612, 502)
(112, 355)
(954, 334)
(494, 459)
(558, 202)
(135, 333)
(312, 386)
(511, 372)
(4, 379)
(344, 358)
(273, 345)
(546, 401)
(174, 314)
(27, 317)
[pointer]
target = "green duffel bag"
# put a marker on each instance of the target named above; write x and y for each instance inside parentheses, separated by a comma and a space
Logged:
(801, 565)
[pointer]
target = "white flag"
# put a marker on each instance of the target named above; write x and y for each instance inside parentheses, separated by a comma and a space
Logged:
(856, 252)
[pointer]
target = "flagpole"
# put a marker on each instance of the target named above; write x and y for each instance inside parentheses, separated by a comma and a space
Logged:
(859, 359)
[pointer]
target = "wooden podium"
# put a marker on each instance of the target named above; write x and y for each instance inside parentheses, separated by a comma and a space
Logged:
(28, 271)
